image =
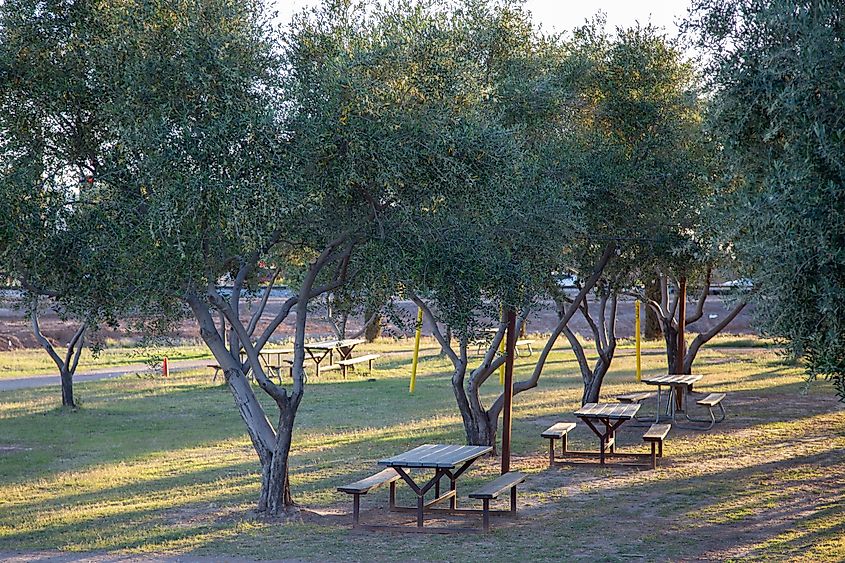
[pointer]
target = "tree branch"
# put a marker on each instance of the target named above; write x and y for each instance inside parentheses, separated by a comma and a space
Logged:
(36, 330)
(531, 382)
(256, 315)
(438, 335)
(699, 306)
(705, 337)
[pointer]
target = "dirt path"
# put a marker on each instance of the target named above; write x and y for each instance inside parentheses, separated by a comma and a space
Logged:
(95, 374)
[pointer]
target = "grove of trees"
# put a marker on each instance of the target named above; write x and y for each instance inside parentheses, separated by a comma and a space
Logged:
(446, 152)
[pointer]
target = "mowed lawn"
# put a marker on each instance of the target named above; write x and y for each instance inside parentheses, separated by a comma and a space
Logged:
(164, 466)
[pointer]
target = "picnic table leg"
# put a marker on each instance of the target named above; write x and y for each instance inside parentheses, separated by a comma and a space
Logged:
(356, 510)
(657, 414)
(420, 502)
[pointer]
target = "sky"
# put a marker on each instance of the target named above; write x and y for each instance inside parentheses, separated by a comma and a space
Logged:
(563, 15)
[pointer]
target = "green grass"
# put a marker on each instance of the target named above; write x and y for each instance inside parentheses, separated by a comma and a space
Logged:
(164, 466)
(23, 363)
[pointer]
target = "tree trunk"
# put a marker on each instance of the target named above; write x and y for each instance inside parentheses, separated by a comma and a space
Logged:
(479, 429)
(275, 498)
(670, 336)
(592, 389)
(67, 388)
(653, 329)
(373, 329)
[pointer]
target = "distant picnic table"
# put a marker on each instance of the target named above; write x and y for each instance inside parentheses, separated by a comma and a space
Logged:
(610, 416)
(319, 350)
(679, 385)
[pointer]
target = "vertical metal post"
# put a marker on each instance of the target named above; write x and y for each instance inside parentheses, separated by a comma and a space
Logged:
(501, 351)
(510, 348)
(416, 351)
(682, 322)
(681, 345)
(637, 340)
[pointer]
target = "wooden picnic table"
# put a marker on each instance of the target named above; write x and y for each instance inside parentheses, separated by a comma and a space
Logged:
(611, 416)
(266, 357)
(678, 384)
(319, 350)
(446, 460)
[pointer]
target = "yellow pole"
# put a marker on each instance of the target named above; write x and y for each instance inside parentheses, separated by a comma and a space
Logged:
(502, 352)
(637, 331)
(416, 350)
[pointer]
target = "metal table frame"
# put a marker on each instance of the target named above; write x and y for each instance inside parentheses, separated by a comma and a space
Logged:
(450, 461)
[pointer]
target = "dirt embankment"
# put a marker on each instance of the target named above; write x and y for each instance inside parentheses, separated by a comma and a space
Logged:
(16, 333)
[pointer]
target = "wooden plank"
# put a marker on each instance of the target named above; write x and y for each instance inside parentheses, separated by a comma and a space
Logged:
(657, 432)
(672, 379)
(608, 410)
(636, 396)
(436, 456)
(367, 484)
(558, 430)
(349, 342)
(359, 359)
(712, 399)
(494, 488)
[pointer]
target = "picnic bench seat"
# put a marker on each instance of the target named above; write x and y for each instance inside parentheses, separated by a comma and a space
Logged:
(636, 397)
(557, 431)
(351, 362)
(655, 436)
(493, 489)
(710, 401)
(526, 343)
(366, 485)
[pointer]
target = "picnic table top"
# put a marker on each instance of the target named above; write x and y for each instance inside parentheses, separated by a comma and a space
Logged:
(434, 456)
(276, 351)
(332, 344)
(671, 379)
(619, 411)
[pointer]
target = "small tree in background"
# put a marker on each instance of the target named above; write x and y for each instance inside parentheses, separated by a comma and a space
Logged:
(50, 136)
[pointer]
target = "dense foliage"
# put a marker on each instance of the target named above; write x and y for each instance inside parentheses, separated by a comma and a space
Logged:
(778, 108)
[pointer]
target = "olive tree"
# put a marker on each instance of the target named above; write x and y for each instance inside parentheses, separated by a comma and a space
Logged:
(239, 158)
(774, 68)
(49, 140)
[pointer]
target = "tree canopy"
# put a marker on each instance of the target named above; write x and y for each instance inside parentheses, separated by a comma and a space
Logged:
(778, 97)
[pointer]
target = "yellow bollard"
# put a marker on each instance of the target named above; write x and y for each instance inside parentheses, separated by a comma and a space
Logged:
(416, 350)
(637, 338)
(502, 352)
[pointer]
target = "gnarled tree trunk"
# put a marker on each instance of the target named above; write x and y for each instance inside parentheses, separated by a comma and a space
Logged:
(67, 365)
